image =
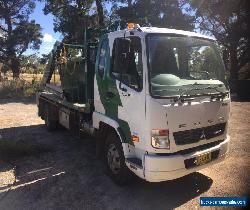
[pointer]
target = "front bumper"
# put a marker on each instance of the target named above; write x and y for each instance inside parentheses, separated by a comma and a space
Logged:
(161, 168)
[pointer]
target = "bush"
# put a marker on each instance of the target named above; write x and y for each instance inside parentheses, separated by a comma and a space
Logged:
(18, 88)
(244, 72)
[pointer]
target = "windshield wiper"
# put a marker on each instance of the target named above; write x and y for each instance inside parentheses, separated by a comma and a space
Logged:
(216, 95)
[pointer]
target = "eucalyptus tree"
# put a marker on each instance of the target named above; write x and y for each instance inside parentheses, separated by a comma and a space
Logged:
(17, 33)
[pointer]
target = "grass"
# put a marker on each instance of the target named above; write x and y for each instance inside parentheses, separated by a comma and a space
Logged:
(18, 88)
(26, 86)
(38, 77)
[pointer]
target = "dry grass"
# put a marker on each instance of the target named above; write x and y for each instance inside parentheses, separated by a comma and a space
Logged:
(26, 86)
(35, 77)
(18, 88)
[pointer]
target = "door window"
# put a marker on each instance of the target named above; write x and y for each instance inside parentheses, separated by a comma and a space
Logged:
(131, 72)
(102, 58)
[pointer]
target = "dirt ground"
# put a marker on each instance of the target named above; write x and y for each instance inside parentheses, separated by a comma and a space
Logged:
(42, 170)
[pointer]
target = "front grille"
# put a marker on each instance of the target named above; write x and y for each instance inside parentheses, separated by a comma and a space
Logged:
(215, 130)
(195, 135)
(190, 163)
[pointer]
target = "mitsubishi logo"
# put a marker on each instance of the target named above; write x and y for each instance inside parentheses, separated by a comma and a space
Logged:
(203, 135)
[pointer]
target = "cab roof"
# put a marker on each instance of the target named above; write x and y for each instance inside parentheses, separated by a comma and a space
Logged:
(174, 31)
(152, 30)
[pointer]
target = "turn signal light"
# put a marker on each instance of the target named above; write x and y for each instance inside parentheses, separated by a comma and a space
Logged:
(135, 138)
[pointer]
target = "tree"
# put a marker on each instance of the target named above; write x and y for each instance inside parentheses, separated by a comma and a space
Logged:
(72, 16)
(44, 59)
(92, 13)
(159, 13)
(228, 21)
(17, 32)
(100, 13)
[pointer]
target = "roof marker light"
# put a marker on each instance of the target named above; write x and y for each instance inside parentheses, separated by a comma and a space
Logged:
(133, 26)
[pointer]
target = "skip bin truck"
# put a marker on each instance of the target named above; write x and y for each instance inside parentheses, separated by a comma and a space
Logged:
(155, 99)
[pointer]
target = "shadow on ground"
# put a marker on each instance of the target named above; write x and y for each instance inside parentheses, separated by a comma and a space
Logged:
(24, 100)
(57, 170)
(236, 98)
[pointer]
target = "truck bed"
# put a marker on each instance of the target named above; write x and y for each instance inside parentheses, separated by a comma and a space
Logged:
(54, 94)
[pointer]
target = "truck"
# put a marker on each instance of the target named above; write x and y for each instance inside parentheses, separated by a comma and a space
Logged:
(154, 99)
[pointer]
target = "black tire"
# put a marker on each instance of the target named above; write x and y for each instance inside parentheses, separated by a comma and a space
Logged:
(115, 162)
(50, 124)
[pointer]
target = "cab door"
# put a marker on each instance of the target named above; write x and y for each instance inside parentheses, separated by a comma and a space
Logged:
(107, 98)
(105, 93)
(127, 71)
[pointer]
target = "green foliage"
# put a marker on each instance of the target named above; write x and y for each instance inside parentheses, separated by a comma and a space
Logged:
(244, 72)
(158, 13)
(204, 59)
(18, 33)
(71, 16)
(32, 64)
(18, 88)
(44, 59)
(33, 69)
(228, 21)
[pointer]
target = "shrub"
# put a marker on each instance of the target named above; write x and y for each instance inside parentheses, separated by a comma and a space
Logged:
(18, 88)
(244, 72)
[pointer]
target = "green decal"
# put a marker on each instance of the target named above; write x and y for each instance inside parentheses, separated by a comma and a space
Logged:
(107, 84)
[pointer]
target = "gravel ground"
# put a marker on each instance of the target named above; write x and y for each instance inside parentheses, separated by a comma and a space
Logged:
(41, 170)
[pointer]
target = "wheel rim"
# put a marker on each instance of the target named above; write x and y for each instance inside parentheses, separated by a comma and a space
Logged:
(113, 158)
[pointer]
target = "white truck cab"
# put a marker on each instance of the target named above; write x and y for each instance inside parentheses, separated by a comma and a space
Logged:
(163, 91)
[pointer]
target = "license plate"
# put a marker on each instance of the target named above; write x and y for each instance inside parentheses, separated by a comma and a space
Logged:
(203, 159)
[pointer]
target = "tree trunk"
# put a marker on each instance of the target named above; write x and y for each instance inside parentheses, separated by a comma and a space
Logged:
(225, 57)
(233, 63)
(15, 67)
(100, 13)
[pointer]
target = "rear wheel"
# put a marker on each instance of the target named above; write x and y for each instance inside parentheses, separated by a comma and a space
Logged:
(115, 160)
(50, 123)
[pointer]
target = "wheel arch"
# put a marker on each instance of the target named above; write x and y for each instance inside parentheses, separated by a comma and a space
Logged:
(105, 124)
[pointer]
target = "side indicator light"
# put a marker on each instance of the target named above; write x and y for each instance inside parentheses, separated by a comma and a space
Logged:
(135, 138)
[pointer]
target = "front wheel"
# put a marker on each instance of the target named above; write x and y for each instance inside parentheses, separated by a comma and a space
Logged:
(115, 160)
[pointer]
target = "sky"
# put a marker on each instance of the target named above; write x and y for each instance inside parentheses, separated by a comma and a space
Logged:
(49, 36)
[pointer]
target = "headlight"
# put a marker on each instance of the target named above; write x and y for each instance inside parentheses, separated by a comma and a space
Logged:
(160, 139)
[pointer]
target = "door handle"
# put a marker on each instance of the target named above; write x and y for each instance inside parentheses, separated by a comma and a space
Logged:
(123, 89)
(110, 94)
(125, 94)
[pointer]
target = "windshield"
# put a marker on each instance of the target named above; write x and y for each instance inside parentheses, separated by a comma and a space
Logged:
(179, 65)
